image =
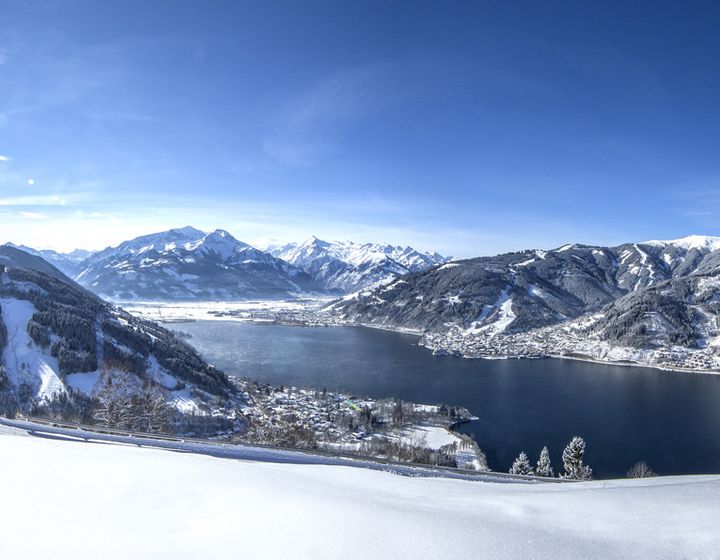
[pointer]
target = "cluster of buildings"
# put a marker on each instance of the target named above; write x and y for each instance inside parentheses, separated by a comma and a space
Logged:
(293, 417)
(565, 342)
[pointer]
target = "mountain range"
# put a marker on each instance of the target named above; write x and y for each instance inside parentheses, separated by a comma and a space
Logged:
(644, 295)
(189, 264)
(348, 267)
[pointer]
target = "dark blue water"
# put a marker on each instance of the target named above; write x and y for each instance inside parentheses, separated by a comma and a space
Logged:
(669, 420)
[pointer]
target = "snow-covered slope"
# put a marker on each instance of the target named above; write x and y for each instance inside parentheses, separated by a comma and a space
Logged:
(700, 242)
(347, 267)
(188, 264)
(175, 505)
(27, 364)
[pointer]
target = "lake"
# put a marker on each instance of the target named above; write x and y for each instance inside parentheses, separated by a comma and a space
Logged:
(625, 414)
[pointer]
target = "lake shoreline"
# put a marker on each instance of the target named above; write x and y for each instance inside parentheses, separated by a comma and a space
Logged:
(520, 405)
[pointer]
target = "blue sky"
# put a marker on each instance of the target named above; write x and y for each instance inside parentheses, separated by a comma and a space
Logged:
(470, 128)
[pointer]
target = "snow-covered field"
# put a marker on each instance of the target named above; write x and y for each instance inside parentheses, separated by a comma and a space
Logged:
(210, 310)
(434, 437)
(118, 501)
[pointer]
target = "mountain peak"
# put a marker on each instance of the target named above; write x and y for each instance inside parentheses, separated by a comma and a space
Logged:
(188, 231)
(186, 263)
(222, 236)
(219, 242)
(222, 233)
(690, 242)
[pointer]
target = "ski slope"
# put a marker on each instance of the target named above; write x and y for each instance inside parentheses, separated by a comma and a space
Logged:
(71, 499)
(24, 361)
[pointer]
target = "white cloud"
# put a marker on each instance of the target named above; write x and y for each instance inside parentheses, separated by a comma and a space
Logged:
(4, 158)
(33, 215)
(41, 200)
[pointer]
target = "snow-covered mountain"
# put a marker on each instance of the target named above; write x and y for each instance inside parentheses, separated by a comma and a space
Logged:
(189, 264)
(347, 267)
(651, 293)
(59, 344)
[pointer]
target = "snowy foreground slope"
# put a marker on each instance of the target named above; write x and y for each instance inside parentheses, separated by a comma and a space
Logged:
(117, 501)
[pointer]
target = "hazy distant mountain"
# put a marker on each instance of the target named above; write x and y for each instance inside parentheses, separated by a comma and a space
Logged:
(650, 292)
(347, 267)
(189, 264)
(68, 263)
(12, 256)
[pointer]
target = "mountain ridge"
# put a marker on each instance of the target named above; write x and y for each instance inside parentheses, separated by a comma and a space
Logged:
(648, 295)
(349, 266)
(159, 266)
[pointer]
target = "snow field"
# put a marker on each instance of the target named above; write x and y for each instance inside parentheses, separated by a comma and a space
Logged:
(128, 502)
(25, 362)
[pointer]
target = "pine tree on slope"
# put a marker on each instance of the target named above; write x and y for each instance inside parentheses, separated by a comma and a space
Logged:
(521, 465)
(544, 467)
(573, 460)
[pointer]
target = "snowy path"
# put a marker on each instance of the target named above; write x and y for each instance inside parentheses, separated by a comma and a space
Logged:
(119, 501)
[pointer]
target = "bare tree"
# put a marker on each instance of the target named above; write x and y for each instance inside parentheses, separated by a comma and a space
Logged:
(640, 470)
(114, 406)
(151, 412)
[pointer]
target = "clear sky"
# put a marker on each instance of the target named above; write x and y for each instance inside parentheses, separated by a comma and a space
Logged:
(470, 128)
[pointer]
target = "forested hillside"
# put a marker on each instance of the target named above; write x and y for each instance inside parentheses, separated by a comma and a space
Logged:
(64, 348)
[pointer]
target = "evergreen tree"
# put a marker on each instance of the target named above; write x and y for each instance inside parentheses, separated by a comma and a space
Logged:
(521, 465)
(573, 460)
(544, 468)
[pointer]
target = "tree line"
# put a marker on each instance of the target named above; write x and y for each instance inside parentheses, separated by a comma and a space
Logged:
(573, 463)
(574, 467)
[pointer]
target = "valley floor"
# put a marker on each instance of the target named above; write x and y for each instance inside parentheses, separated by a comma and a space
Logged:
(69, 499)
